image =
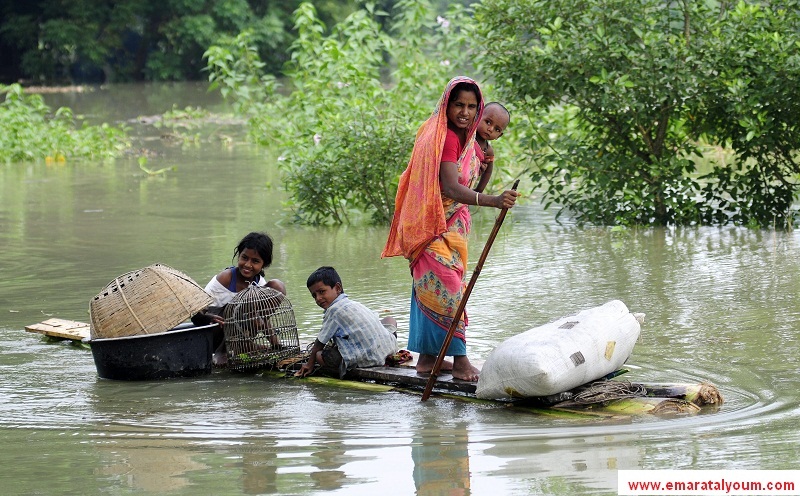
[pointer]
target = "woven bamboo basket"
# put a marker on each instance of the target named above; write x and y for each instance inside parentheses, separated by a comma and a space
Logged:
(146, 301)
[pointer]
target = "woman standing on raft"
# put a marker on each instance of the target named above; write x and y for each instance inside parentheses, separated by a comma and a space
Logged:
(432, 222)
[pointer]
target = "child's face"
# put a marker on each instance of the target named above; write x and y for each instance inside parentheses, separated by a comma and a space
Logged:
(492, 124)
(324, 295)
(249, 263)
(461, 111)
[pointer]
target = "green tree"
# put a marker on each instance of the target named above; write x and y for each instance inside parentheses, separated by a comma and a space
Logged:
(57, 41)
(347, 126)
(354, 124)
(625, 91)
(751, 103)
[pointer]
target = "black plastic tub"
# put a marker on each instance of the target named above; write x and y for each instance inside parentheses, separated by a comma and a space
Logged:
(184, 351)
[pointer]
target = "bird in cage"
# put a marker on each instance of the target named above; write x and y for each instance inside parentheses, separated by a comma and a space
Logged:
(259, 328)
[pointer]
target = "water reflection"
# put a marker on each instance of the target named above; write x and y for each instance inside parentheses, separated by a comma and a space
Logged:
(260, 471)
(141, 466)
(567, 465)
(441, 463)
(330, 458)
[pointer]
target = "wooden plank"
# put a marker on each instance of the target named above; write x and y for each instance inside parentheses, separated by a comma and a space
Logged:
(408, 376)
(404, 375)
(61, 328)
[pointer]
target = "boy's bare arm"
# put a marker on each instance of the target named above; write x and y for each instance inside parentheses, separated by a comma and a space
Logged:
(308, 367)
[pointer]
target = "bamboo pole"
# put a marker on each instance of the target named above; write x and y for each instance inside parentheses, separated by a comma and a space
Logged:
(463, 303)
(701, 394)
(653, 406)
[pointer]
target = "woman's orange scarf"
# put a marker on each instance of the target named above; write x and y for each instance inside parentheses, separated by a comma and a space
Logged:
(419, 212)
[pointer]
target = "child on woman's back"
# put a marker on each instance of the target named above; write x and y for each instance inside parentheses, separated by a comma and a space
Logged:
(360, 338)
(493, 123)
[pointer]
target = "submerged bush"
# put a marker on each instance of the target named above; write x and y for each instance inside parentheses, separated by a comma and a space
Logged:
(32, 132)
(357, 95)
(625, 91)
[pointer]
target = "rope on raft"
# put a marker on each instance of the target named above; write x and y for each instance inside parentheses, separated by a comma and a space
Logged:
(293, 363)
(602, 391)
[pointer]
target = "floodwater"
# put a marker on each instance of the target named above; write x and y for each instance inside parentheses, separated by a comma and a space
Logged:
(722, 305)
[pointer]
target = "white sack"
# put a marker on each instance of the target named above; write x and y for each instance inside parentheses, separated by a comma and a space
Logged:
(561, 355)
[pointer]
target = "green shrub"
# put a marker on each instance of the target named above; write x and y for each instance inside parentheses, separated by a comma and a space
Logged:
(32, 132)
(355, 98)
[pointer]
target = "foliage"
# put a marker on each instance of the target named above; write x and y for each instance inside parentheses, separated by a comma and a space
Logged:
(86, 40)
(182, 125)
(347, 126)
(32, 132)
(751, 103)
(56, 40)
(624, 91)
(188, 117)
(236, 69)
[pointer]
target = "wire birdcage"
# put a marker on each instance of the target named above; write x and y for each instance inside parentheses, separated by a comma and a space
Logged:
(260, 329)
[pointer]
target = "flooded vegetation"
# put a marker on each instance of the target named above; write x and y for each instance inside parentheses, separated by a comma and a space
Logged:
(721, 303)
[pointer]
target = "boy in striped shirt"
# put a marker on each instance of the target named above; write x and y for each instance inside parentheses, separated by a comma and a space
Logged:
(352, 335)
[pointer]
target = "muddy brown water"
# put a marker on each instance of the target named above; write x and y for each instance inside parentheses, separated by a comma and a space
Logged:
(722, 305)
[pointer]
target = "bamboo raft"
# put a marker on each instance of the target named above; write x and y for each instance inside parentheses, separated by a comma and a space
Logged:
(604, 398)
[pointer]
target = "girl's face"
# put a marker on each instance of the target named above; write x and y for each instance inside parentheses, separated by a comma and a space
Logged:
(461, 111)
(250, 263)
(324, 295)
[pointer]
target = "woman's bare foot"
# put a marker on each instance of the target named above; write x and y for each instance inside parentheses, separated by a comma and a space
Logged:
(464, 370)
(425, 364)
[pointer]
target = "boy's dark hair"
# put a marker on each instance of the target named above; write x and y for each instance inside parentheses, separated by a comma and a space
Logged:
(498, 104)
(327, 275)
(258, 241)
